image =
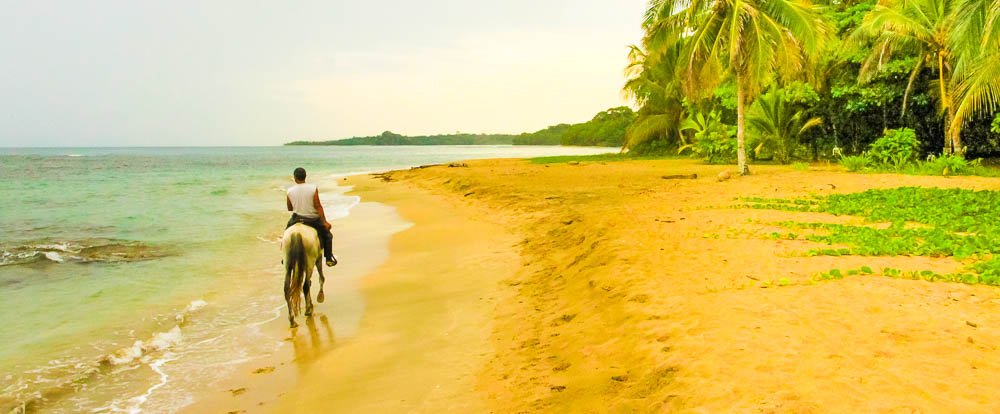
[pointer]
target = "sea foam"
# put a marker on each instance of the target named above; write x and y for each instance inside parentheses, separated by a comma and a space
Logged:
(159, 342)
(191, 308)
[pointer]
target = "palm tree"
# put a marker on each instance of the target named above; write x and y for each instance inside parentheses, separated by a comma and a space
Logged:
(780, 123)
(923, 26)
(978, 35)
(654, 84)
(753, 40)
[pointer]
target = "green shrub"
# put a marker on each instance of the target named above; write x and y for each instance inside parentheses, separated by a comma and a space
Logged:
(895, 149)
(716, 148)
(855, 163)
(947, 164)
(714, 140)
(654, 147)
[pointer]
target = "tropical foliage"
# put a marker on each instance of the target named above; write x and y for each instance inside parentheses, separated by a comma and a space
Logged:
(780, 123)
(753, 42)
(896, 148)
(930, 67)
(606, 129)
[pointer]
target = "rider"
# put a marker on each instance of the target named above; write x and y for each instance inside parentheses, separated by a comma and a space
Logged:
(303, 202)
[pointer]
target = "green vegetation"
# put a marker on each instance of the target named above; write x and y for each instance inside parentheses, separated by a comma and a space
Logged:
(714, 141)
(796, 80)
(606, 129)
(579, 158)
(896, 148)
(952, 164)
(593, 158)
(390, 138)
(552, 135)
(904, 221)
(856, 163)
(983, 273)
(897, 151)
(780, 122)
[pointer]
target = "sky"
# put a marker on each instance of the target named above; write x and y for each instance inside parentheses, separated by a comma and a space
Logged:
(179, 73)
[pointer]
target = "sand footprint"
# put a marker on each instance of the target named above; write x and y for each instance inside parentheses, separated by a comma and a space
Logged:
(265, 370)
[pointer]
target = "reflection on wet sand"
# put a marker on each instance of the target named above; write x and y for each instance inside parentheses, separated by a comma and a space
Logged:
(311, 343)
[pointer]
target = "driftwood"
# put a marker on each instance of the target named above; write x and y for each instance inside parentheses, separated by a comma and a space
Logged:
(680, 177)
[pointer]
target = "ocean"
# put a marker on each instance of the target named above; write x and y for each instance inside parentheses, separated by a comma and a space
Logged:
(132, 277)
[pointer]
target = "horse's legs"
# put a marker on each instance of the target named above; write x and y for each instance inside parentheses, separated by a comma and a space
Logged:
(319, 267)
(288, 296)
(305, 291)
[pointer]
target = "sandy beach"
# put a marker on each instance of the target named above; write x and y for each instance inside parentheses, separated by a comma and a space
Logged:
(603, 287)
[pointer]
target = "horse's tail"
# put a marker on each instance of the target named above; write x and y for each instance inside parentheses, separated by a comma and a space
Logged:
(295, 264)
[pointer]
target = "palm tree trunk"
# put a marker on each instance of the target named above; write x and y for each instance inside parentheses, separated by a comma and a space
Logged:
(741, 148)
(949, 147)
(952, 134)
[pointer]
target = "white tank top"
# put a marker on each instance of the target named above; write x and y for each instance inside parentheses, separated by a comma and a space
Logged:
(301, 196)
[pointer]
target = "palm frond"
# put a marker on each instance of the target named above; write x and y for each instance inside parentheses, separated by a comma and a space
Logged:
(979, 92)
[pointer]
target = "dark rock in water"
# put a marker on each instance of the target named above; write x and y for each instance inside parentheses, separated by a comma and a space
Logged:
(79, 251)
(120, 252)
(9, 282)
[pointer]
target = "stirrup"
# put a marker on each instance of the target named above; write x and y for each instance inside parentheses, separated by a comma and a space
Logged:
(332, 261)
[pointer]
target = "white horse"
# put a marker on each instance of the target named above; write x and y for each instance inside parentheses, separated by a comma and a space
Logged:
(303, 252)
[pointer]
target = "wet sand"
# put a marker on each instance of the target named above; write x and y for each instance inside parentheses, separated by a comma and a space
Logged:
(361, 241)
(605, 288)
(426, 331)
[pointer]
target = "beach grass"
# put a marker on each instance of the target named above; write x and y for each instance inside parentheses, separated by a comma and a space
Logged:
(612, 157)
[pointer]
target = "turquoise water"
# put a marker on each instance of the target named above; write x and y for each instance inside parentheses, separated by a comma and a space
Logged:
(117, 265)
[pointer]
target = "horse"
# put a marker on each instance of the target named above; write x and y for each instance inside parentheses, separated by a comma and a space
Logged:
(303, 252)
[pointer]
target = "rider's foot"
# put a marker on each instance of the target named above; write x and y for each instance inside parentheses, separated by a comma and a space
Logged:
(331, 261)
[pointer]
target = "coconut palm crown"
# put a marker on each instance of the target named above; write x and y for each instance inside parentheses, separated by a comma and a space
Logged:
(755, 41)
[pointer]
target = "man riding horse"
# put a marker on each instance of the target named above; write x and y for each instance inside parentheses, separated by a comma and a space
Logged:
(303, 202)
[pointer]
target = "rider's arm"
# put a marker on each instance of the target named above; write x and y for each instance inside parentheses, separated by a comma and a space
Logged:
(319, 208)
(289, 202)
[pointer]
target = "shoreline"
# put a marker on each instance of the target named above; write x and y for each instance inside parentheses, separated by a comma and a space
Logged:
(362, 239)
(133, 308)
(427, 329)
(636, 293)
(565, 287)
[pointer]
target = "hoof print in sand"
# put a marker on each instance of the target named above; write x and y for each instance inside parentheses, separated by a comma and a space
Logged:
(265, 370)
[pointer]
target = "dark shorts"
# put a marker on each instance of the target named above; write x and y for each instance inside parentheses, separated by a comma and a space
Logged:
(325, 236)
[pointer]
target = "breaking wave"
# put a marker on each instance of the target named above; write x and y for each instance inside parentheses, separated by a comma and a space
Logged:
(67, 375)
(79, 251)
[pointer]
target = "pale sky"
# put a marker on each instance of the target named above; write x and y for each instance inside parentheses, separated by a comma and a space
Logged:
(137, 73)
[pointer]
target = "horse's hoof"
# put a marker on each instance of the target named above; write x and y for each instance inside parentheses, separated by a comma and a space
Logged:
(309, 313)
(293, 325)
(320, 297)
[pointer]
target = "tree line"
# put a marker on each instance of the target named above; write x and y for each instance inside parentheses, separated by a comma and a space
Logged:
(607, 129)
(733, 80)
(392, 138)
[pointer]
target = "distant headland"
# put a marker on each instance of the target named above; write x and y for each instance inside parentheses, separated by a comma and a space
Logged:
(606, 129)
